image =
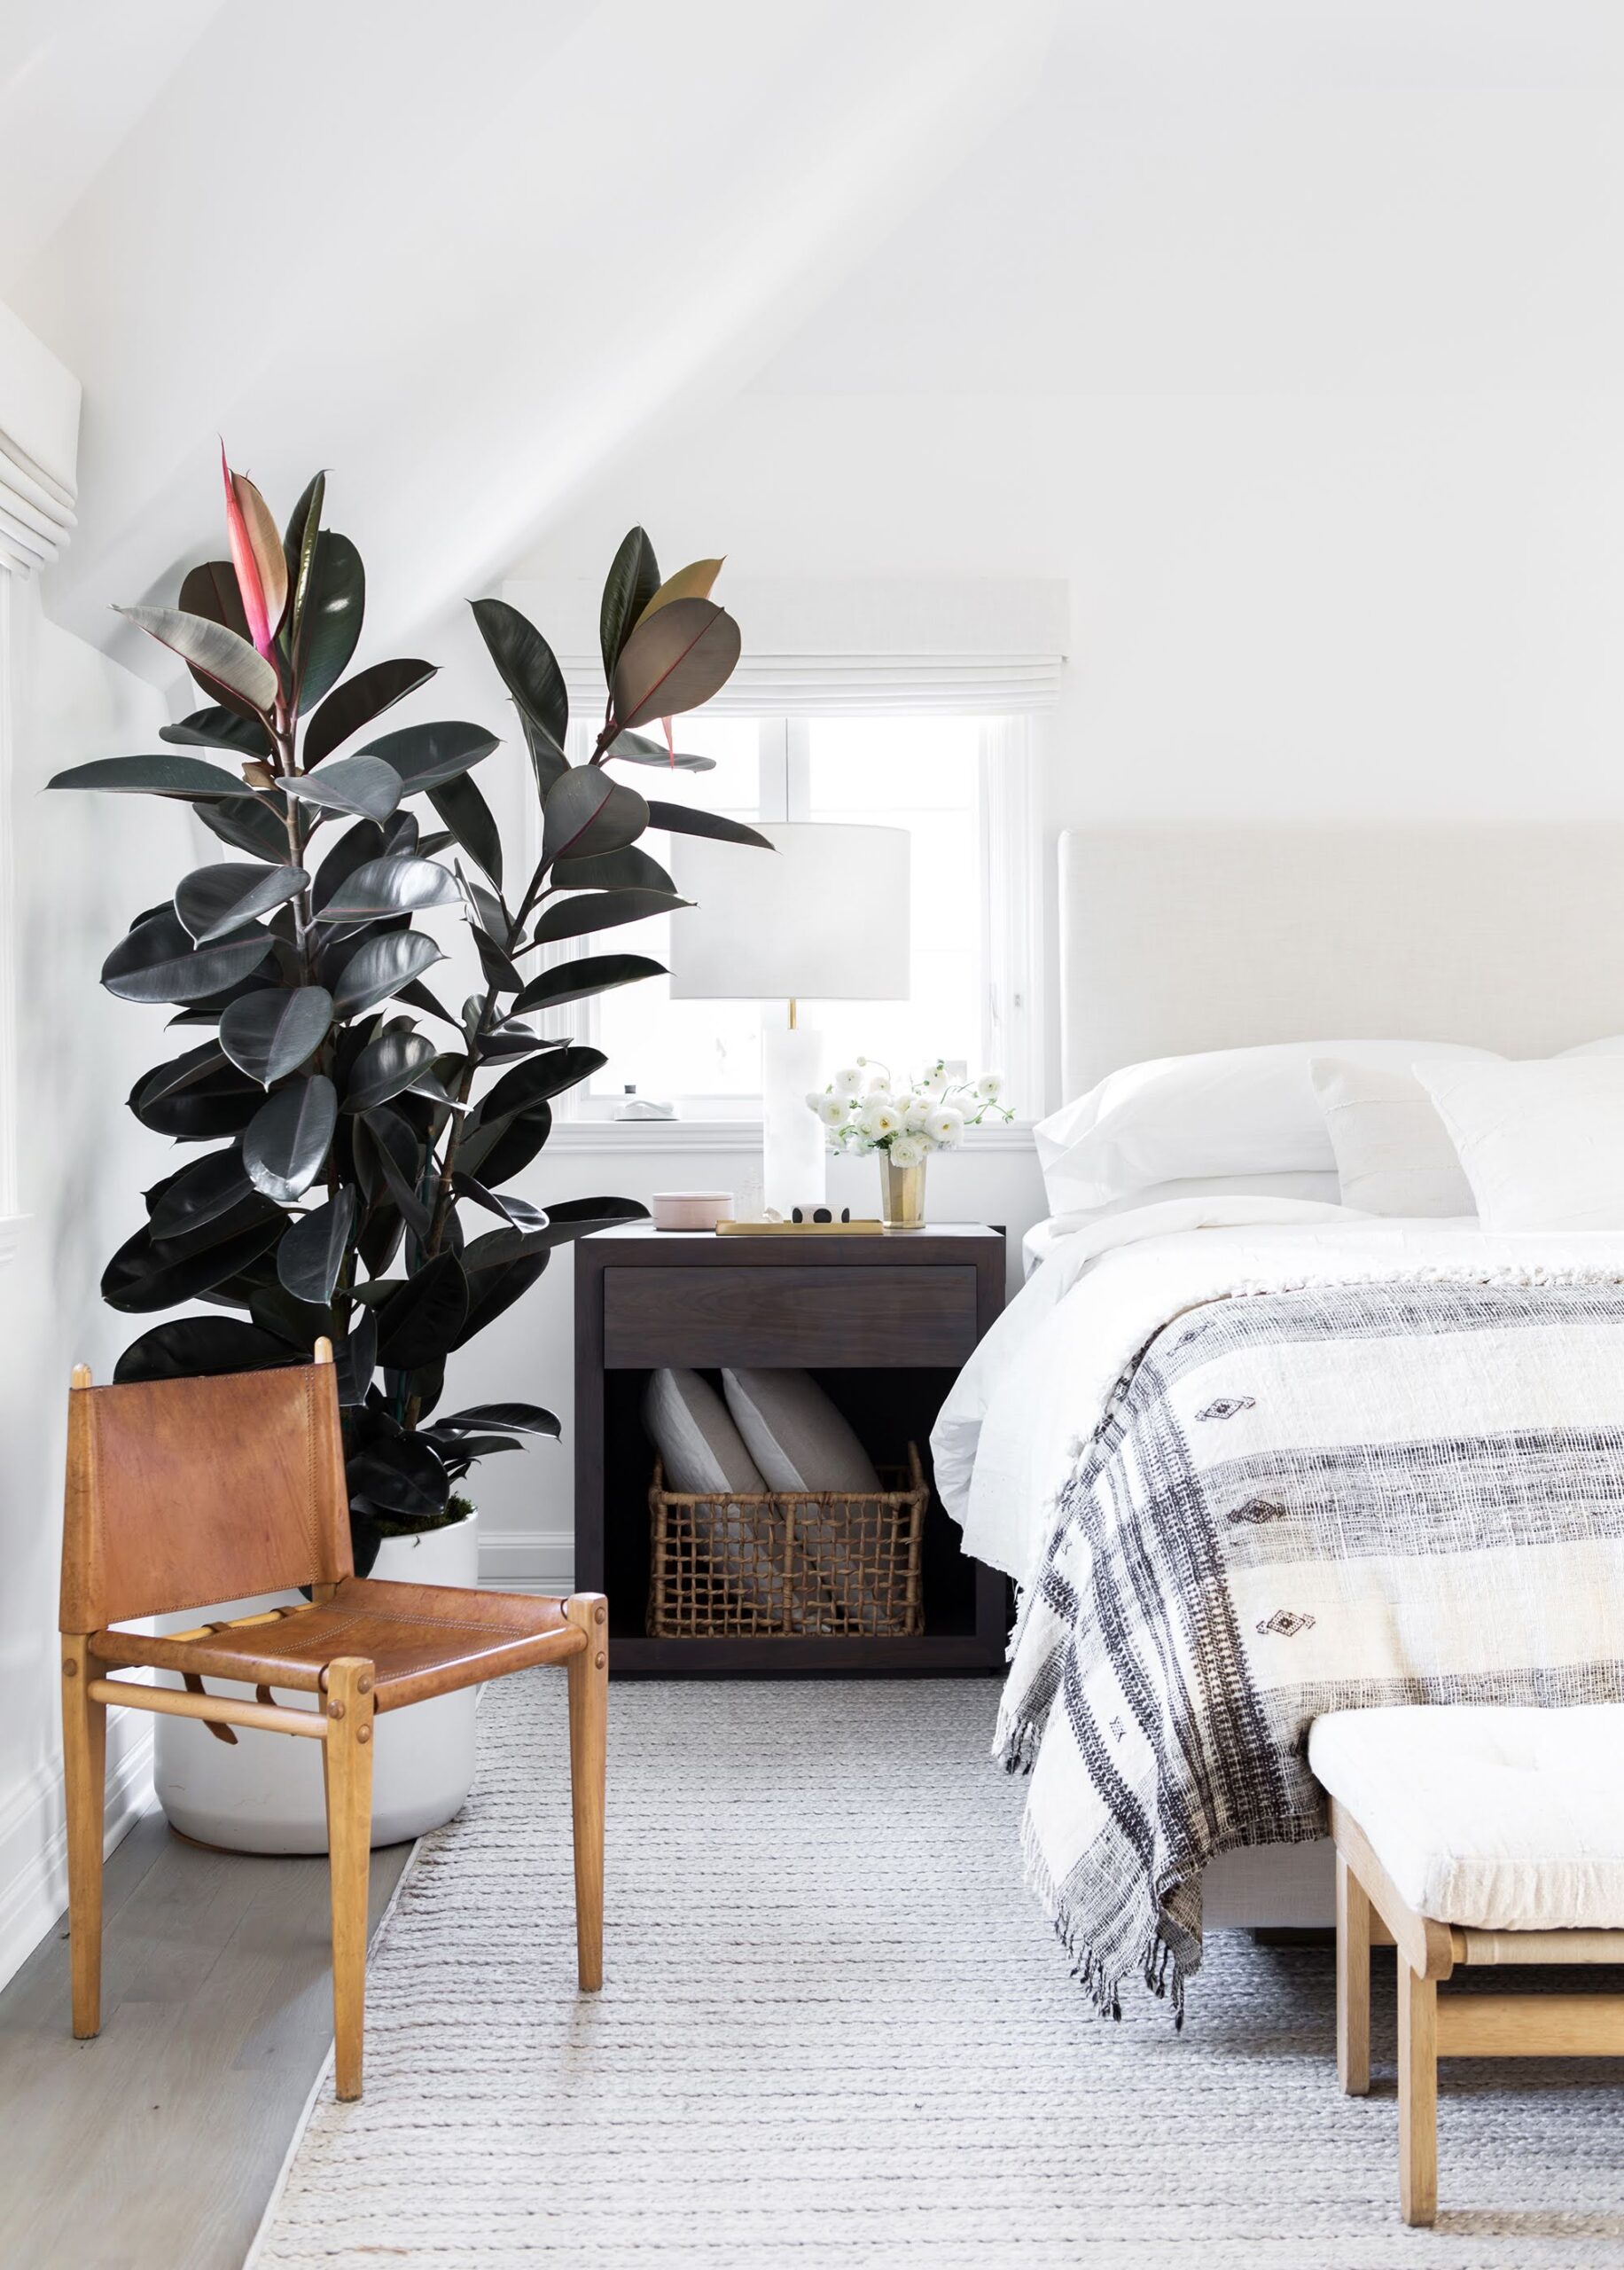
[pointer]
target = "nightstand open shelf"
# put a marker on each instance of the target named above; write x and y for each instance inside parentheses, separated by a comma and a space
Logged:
(882, 1323)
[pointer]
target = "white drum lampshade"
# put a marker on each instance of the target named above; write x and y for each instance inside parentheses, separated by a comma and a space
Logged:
(821, 917)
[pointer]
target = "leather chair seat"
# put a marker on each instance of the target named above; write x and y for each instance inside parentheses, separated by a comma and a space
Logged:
(421, 1639)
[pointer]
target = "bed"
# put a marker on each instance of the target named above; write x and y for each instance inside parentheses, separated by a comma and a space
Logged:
(1178, 940)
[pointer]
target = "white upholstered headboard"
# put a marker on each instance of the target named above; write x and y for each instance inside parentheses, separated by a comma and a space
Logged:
(1178, 938)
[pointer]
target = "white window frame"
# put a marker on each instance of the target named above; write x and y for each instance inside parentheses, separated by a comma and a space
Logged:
(1011, 916)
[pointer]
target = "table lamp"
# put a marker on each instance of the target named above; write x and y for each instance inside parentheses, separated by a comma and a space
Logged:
(821, 917)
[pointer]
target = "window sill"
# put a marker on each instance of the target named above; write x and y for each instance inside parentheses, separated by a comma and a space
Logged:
(725, 1136)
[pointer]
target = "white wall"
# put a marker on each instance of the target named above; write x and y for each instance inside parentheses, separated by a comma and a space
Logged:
(1291, 348)
(81, 867)
(1314, 606)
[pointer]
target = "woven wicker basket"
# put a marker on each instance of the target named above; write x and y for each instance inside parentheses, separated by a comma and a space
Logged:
(822, 1564)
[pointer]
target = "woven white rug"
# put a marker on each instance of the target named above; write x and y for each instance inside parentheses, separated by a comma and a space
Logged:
(836, 2031)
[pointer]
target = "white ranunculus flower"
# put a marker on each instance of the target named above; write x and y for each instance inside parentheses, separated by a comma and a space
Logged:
(989, 1087)
(907, 1151)
(879, 1120)
(879, 1084)
(847, 1081)
(945, 1127)
(915, 1110)
(832, 1110)
(935, 1081)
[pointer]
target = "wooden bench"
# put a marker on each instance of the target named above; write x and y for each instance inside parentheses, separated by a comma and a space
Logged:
(1476, 1837)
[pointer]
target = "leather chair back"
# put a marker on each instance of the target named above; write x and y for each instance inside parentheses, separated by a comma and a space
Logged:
(184, 1492)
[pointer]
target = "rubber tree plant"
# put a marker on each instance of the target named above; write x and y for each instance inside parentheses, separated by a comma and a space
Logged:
(359, 1137)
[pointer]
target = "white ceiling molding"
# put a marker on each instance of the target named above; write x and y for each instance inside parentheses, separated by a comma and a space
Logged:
(39, 435)
(857, 647)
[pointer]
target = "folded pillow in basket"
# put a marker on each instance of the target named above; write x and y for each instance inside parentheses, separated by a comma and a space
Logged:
(795, 1434)
(700, 1448)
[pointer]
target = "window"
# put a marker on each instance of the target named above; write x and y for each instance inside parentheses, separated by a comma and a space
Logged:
(959, 785)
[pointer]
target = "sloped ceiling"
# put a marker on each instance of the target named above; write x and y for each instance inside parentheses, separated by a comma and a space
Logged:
(457, 255)
(473, 258)
(1286, 196)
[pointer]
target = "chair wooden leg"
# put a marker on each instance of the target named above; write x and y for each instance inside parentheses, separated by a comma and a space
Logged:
(588, 1706)
(84, 1751)
(1417, 2095)
(346, 1762)
(1353, 1982)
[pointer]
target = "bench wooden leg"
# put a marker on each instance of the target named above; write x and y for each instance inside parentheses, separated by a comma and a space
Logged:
(1353, 1982)
(84, 1757)
(1417, 2095)
(347, 1761)
(588, 1705)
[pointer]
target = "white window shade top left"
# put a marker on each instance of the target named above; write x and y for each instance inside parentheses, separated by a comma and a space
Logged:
(39, 437)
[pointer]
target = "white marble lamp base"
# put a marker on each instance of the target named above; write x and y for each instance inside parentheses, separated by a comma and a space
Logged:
(792, 1160)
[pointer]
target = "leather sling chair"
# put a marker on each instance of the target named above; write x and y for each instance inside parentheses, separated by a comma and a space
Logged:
(182, 1492)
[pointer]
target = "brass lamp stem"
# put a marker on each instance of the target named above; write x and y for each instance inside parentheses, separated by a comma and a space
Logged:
(791, 1016)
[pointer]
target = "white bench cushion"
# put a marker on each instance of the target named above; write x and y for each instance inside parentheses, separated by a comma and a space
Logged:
(1499, 1820)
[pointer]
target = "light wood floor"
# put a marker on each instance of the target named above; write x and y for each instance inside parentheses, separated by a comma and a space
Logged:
(155, 2146)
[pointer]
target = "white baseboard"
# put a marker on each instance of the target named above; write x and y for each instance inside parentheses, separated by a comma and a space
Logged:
(33, 1845)
(526, 1560)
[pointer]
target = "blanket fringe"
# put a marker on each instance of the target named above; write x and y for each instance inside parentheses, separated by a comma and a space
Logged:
(1156, 1962)
(1017, 1741)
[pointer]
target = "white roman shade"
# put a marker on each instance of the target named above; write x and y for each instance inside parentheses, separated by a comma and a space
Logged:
(971, 647)
(39, 434)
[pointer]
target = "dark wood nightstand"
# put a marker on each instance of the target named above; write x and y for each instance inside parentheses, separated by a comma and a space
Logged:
(884, 1322)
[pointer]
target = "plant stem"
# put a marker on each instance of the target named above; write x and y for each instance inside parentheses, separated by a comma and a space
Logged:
(431, 1245)
(471, 1065)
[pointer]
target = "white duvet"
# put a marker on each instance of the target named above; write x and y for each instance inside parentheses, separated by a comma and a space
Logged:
(1039, 1383)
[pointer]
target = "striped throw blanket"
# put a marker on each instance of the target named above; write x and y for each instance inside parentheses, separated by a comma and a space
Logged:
(1322, 1500)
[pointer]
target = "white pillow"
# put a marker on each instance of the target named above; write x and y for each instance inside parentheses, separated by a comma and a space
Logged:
(699, 1446)
(1393, 1152)
(794, 1433)
(1233, 1111)
(1321, 1189)
(1541, 1143)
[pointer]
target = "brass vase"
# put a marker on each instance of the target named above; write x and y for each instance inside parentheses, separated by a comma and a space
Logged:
(902, 1194)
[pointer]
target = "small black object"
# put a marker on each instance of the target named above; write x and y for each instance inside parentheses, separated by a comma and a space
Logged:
(822, 1214)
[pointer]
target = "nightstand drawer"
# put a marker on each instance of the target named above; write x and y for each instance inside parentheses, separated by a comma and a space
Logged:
(830, 1316)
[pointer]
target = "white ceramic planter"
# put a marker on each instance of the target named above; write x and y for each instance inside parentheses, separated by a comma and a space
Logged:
(265, 1794)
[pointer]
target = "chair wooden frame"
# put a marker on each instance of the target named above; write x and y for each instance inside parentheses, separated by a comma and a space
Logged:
(341, 1719)
(1371, 1911)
